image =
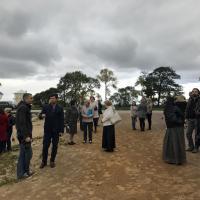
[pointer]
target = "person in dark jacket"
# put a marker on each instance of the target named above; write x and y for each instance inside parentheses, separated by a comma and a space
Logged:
(190, 116)
(24, 134)
(11, 123)
(197, 113)
(53, 127)
(174, 140)
(3, 130)
(142, 112)
(71, 118)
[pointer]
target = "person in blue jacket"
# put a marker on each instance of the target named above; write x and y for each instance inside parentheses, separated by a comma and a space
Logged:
(53, 127)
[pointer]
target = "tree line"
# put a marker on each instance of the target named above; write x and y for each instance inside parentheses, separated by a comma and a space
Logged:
(158, 84)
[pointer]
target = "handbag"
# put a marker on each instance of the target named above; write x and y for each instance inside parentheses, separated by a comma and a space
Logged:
(115, 118)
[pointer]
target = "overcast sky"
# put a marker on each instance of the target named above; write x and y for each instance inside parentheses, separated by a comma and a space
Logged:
(42, 40)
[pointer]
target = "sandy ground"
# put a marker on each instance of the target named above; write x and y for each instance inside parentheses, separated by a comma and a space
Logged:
(135, 171)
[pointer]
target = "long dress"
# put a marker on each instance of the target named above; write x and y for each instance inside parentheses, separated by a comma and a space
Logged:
(174, 140)
(108, 139)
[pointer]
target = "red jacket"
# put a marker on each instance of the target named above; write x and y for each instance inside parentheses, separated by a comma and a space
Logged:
(3, 127)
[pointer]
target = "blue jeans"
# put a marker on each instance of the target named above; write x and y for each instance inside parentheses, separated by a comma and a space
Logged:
(134, 119)
(24, 159)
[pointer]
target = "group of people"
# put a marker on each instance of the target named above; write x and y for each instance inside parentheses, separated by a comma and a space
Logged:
(179, 115)
(142, 111)
(54, 124)
(7, 121)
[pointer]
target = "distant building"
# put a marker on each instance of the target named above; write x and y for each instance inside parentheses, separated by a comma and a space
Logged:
(18, 96)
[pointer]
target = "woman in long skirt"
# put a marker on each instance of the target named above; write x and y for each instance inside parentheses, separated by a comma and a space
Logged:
(174, 141)
(108, 139)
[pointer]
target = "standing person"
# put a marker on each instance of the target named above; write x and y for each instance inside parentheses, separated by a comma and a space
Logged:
(100, 108)
(191, 121)
(53, 127)
(80, 106)
(71, 118)
(87, 114)
(174, 140)
(197, 138)
(24, 134)
(108, 139)
(11, 123)
(142, 112)
(3, 130)
(133, 110)
(94, 105)
(149, 112)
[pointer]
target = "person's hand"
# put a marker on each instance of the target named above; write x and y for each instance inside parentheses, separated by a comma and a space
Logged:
(28, 139)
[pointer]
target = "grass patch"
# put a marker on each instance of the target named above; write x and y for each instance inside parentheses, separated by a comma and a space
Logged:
(8, 167)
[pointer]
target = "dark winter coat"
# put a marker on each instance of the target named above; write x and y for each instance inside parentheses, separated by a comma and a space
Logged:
(142, 110)
(54, 119)
(24, 121)
(11, 123)
(190, 108)
(3, 127)
(71, 118)
(174, 117)
(197, 108)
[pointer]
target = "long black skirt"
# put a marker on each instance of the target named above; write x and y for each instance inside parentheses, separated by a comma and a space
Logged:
(108, 139)
(174, 146)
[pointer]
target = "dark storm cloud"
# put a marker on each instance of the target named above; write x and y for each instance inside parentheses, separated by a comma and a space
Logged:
(126, 35)
(16, 69)
(36, 50)
(117, 52)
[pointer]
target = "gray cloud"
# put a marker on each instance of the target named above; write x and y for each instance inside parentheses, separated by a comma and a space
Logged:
(16, 69)
(53, 36)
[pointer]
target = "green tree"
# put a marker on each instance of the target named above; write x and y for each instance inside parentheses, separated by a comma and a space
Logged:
(42, 98)
(108, 78)
(75, 85)
(146, 82)
(160, 83)
(124, 96)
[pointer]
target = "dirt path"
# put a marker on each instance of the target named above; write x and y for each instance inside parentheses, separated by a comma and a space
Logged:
(134, 172)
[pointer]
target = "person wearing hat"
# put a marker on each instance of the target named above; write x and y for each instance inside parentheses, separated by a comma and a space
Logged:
(174, 140)
(53, 127)
(11, 123)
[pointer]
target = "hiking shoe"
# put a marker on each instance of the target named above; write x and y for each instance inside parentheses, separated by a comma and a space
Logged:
(90, 141)
(71, 143)
(43, 165)
(195, 150)
(189, 149)
(52, 164)
(30, 173)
